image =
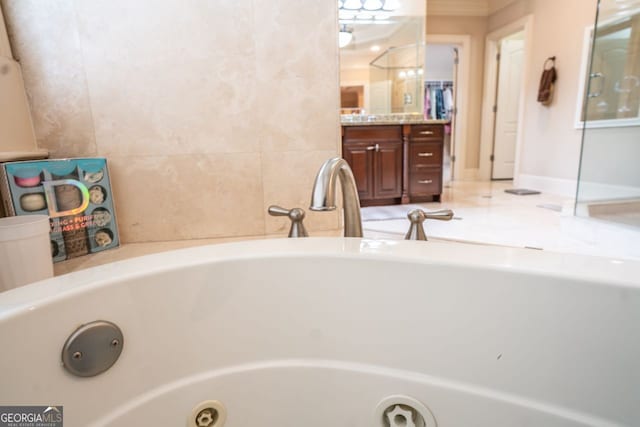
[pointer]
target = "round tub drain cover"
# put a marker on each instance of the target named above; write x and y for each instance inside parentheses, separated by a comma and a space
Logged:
(92, 348)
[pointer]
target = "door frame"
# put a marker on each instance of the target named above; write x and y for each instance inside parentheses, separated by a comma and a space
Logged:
(460, 172)
(490, 86)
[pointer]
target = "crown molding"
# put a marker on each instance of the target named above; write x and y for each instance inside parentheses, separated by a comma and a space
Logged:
(457, 7)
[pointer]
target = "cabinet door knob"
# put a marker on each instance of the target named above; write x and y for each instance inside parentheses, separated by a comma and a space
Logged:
(377, 147)
(371, 147)
(426, 132)
(425, 181)
(425, 154)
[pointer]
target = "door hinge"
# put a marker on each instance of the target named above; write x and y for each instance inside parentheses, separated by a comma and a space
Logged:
(495, 109)
(498, 56)
(492, 158)
(456, 61)
(453, 159)
(454, 111)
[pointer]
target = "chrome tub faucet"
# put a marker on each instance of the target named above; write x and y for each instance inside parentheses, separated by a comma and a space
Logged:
(324, 194)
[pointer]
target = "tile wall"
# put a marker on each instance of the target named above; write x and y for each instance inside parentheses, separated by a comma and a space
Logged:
(208, 111)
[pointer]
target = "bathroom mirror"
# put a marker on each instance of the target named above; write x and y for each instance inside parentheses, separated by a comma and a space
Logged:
(381, 56)
(610, 91)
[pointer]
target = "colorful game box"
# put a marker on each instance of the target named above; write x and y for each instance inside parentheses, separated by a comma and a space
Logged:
(74, 193)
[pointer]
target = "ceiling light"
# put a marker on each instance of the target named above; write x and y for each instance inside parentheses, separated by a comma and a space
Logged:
(352, 4)
(372, 4)
(374, 48)
(345, 36)
(391, 5)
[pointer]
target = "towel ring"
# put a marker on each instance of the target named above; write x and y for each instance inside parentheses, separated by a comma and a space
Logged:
(551, 59)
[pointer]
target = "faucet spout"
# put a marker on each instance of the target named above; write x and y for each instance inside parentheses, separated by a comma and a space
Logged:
(323, 197)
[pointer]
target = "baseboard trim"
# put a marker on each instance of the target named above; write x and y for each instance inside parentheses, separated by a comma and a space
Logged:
(545, 184)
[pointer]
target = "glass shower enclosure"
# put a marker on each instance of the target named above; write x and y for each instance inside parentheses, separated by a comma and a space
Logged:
(396, 78)
(609, 175)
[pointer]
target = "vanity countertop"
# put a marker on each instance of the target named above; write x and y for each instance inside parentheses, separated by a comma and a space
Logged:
(393, 122)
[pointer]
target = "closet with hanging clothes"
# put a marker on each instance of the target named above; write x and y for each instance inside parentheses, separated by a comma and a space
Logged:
(438, 99)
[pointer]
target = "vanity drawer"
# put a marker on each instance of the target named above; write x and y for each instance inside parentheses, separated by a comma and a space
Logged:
(427, 132)
(425, 183)
(425, 155)
(372, 133)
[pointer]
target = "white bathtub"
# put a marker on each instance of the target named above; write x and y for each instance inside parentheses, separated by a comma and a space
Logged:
(316, 332)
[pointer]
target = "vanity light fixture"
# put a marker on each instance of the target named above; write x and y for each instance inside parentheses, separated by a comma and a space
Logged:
(391, 5)
(352, 5)
(372, 4)
(357, 9)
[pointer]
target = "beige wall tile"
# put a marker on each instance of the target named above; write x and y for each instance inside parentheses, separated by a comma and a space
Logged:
(297, 62)
(288, 180)
(188, 100)
(178, 80)
(187, 196)
(45, 41)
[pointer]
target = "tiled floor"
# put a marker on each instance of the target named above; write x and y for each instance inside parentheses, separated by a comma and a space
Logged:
(485, 214)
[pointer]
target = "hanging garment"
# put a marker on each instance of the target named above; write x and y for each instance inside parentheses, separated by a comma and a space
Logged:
(427, 103)
(434, 105)
(441, 113)
(448, 102)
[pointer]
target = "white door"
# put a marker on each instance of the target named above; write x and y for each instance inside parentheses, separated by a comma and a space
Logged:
(508, 103)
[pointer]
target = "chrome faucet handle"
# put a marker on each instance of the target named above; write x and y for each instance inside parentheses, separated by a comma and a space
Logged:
(417, 217)
(443, 215)
(296, 215)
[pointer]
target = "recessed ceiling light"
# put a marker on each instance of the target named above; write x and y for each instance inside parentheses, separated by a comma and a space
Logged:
(375, 48)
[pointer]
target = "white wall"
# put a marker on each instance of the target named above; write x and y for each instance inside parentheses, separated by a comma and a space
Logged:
(550, 152)
(439, 62)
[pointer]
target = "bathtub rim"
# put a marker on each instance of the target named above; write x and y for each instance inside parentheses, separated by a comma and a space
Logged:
(603, 271)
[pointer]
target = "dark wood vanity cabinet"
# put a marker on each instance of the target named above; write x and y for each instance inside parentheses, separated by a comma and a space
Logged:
(395, 164)
(375, 155)
(426, 144)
